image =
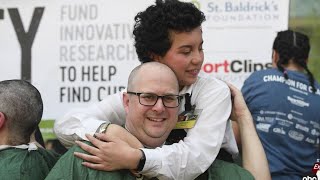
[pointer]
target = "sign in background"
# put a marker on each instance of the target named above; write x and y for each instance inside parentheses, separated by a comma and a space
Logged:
(238, 36)
(77, 52)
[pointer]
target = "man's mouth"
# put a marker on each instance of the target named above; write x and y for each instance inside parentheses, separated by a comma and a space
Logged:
(156, 119)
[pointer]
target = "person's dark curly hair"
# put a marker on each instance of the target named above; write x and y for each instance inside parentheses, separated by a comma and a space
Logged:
(152, 26)
(294, 46)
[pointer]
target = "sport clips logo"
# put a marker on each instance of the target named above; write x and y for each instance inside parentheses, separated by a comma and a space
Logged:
(234, 66)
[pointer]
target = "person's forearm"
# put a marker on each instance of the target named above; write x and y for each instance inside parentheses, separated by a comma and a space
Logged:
(124, 135)
(253, 155)
(133, 159)
(73, 127)
(236, 131)
(78, 122)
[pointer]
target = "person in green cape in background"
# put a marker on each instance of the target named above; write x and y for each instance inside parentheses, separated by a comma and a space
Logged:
(21, 110)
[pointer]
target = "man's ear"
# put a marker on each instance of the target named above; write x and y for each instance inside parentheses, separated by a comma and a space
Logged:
(125, 101)
(2, 119)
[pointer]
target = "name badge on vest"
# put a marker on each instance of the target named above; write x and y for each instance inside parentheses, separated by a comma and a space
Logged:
(187, 119)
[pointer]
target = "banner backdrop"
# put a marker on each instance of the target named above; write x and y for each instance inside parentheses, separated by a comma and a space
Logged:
(239, 34)
(77, 52)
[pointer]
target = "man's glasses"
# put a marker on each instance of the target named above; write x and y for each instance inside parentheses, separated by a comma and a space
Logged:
(150, 99)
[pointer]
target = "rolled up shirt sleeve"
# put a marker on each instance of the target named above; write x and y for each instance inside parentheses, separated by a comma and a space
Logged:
(78, 122)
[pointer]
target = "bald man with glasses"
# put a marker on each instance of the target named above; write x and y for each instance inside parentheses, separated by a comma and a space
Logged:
(151, 105)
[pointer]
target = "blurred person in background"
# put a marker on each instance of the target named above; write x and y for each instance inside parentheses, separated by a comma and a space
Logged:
(285, 104)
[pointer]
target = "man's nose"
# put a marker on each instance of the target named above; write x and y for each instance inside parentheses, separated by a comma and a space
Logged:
(159, 107)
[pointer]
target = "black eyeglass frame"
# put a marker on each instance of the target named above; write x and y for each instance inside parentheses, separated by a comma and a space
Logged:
(179, 97)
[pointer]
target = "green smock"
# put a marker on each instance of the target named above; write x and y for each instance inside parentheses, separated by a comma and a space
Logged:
(26, 164)
(69, 167)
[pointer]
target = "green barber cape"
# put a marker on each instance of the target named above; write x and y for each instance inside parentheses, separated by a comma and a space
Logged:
(224, 170)
(69, 167)
(21, 164)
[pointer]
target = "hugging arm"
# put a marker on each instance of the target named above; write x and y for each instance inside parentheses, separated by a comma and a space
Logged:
(79, 122)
